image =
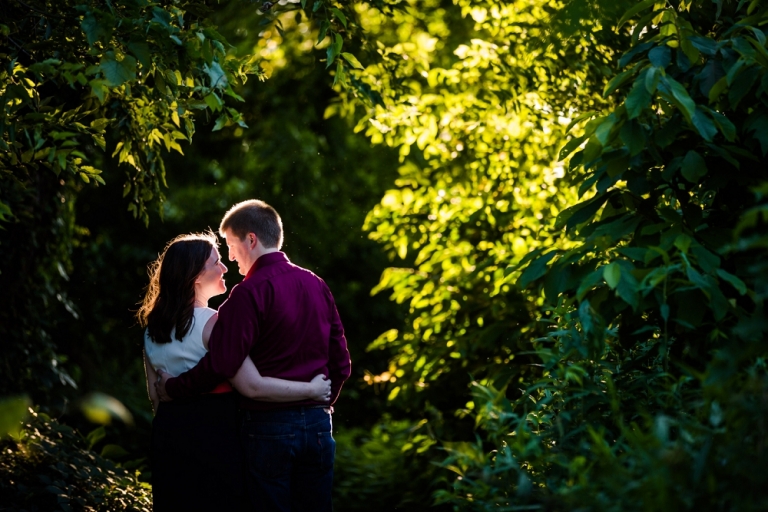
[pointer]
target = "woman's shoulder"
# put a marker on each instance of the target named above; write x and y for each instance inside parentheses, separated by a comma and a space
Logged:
(204, 313)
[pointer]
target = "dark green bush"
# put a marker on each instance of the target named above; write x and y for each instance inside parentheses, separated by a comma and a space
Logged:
(379, 470)
(49, 467)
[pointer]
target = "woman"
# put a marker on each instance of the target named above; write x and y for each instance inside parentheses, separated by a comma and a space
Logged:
(196, 457)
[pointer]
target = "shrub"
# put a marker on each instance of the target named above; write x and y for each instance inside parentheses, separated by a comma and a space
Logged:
(48, 466)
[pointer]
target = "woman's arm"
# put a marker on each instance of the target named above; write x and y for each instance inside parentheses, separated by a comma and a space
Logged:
(249, 382)
(151, 375)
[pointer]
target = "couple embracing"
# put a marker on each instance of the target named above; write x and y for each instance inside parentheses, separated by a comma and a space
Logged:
(243, 395)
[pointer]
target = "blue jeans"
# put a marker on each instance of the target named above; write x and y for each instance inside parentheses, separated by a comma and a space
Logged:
(290, 455)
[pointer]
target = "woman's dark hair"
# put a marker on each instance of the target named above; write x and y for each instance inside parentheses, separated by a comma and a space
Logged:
(170, 298)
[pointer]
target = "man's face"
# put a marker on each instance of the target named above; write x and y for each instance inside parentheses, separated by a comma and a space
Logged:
(238, 251)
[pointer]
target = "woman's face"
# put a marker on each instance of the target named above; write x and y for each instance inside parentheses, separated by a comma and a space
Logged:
(210, 282)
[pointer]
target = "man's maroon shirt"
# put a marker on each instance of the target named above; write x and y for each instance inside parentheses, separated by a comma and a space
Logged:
(285, 318)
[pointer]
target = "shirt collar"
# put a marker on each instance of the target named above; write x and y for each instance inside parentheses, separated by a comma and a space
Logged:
(267, 259)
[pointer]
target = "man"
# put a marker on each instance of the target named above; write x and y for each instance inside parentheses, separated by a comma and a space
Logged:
(285, 317)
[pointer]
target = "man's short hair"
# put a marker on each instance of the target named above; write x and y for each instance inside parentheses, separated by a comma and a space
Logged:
(254, 216)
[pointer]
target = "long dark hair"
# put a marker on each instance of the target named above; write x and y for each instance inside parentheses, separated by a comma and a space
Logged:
(170, 298)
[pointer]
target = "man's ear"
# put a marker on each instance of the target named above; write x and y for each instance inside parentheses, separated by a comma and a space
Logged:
(252, 240)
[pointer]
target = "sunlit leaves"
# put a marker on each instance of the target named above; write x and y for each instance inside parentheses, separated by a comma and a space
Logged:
(145, 72)
(637, 280)
(52, 465)
(478, 188)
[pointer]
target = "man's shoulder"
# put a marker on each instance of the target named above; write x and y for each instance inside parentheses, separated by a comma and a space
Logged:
(303, 272)
(263, 277)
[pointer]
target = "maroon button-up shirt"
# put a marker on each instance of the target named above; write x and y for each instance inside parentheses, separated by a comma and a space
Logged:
(285, 318)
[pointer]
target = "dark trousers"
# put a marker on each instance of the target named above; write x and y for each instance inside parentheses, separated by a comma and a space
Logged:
(290, 455)
(197, 459)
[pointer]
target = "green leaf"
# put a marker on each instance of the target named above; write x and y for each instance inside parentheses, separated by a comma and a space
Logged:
(339, 77)
(689, 50)
(340, 15)
(704, 125)
(698, 280)
(604, 130)
(633, 135)
(683, 100)
(739, 88)
(725, 125)
(333, 50)
(583, 211)
(734, 70)
(707, 260)
(100, 124)
(704, 44)
(694, 167)
(652, 78)
(94, 29)
(612, 274)
(113, 451)
(627, 289)
(588, 283)
(758, 124)
(324, 26)
(638, 98)
(660, 56)
(633, 11)
(13, 411)
(617, 163)
(216, 76)
(570, 147)
(46, 66)
(352, 60)
(221, 122)
(213, 101)
(683, 242)
(579, 119)
(161, 16)
(614, 84)
(717, 89)
(629, 55)
(95, 435)
(634, 253)
(118, 72)
(536, 269)
(5, 212)
(735, 281)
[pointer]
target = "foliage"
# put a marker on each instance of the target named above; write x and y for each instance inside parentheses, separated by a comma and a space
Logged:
(378, 469)
(50, 466)
(477, 185)
(576, 225)
(638, 297)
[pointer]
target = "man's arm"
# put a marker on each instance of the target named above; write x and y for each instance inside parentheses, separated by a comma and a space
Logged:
(229, 345)
(339, 363)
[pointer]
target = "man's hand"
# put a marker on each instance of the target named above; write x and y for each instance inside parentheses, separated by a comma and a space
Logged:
(162, 378)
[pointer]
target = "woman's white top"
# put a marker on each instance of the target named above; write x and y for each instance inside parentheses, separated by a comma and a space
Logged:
(177, 356)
